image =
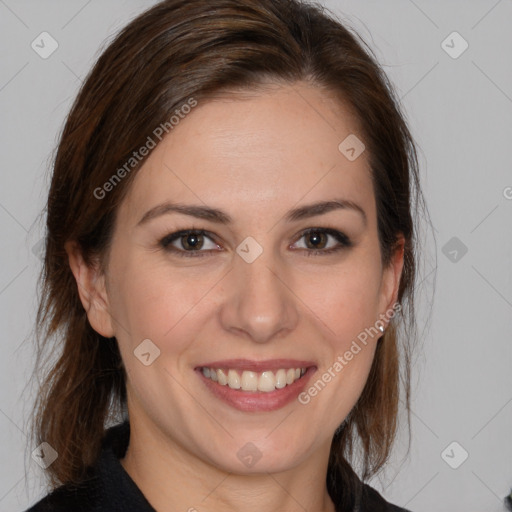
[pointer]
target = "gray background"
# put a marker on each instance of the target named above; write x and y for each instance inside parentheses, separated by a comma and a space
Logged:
(460, 112)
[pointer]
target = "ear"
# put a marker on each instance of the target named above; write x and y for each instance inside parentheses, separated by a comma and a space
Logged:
(92, 291)
(391, 277)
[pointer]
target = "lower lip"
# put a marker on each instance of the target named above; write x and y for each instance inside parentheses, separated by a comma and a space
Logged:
(257, 401)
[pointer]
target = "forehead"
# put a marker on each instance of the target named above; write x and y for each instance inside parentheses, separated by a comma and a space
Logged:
(255, 149)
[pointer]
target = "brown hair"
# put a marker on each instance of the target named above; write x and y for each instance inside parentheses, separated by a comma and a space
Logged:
(177, 50)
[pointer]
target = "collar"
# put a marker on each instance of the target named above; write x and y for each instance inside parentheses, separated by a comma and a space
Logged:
(110, 488)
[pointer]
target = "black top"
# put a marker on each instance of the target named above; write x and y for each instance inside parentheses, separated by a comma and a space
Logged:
(111, 489)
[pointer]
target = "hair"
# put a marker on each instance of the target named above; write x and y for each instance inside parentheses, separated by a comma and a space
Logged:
(175, 51)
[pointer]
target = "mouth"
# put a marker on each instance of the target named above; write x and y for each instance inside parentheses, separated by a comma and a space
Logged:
(266, 381)
(256, 386)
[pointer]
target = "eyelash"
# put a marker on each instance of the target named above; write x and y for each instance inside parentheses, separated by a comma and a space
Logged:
(343, 240)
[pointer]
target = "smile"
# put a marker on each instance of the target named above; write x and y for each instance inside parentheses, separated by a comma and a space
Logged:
(256, 386)
(266, 381)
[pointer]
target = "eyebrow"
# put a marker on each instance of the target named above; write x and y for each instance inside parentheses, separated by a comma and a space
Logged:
(220, 217)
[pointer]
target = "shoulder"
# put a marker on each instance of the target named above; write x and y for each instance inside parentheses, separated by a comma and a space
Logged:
(67, 498)
(350, 493)
(90, 495)
(107, 487)
(372, 501)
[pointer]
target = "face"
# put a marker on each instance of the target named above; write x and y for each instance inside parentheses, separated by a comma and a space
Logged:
(246, 251)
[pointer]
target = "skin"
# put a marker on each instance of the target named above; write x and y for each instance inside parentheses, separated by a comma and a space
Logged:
(255, 155)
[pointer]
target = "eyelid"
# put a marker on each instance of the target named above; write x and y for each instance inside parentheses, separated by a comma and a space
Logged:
(167, 240)
(343, 240)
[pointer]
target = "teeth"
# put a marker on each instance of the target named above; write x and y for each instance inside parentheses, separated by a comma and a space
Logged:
(221, 376)
(233, 379)
(249, 381)
(265, 382)
(280, 379)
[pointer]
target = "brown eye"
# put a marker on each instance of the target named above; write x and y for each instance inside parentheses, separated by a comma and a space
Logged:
(322, 241)
(192, 241)
(316, 240)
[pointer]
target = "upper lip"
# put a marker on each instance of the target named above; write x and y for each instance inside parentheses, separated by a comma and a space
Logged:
(257, 366)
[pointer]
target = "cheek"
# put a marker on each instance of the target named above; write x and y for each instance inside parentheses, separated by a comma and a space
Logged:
(345, 304)
(151, 302)
(152, 305)
(346, 300)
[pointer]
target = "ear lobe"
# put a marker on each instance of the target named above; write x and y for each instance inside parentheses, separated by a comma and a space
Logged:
(91, 290)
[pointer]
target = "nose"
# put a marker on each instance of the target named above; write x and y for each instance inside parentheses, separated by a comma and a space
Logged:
(259, 303)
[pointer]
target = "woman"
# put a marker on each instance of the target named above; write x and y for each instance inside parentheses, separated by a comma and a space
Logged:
(230, 249)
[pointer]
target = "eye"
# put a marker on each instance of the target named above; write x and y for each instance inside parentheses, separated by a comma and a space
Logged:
(198, 243)
(323, 241)
(189, 242)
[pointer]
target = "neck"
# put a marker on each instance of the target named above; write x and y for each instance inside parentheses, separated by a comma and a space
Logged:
(171, 478)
